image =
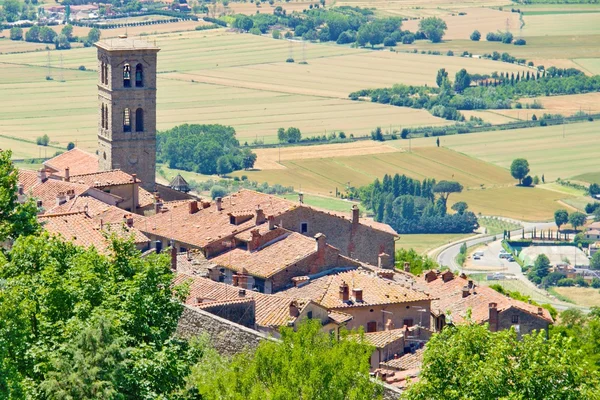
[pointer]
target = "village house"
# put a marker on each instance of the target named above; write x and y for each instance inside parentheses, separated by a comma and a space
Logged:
(459, 300)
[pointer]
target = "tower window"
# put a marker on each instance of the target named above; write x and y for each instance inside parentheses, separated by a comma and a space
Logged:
(127, 75)
(139, 76)
(102, 73)
(105, 117)
(102, 116)
(105, 74)
(139, 120)
(126, 120)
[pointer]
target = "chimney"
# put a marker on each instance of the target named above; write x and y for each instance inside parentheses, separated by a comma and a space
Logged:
(389, 325)
(344, 292)
(42, 176)
(357, 294)
(271, 220)
(447, 276)
(134, 178)
(157, 205)
(219, 203)
(61, 198)
(188, 255)
(205, 204)
(355, 214)
(430, 276)
(294, 311)
(260, 215)
(406, 266)
(157, 244)
(38, 204)
(243, 281)
(383, 261)
(386, 274)
(320, 238)
(67, 174)
(301, 197)
(129, 220)
(242, 293)
(71, 193)
(173, 256)
(255, 240)
(465, 291)
(493, 317)
(471, 284)
(214, 274)
(20, 189)
(193, 207)
(299, 281)
(540, 311)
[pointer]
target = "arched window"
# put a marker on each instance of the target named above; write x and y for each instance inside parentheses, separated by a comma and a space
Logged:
(105, 74)
(139, 76)
(102, 73)
(126, 120)
(103, 116)
(106, 117)
(139, 120)
(127, 75)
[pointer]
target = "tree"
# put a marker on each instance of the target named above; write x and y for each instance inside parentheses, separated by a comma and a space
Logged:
(561, 217)
(442, 75)
(444, 188)
(437, 142)
(519, 169)
(67, 30)
(541, 266)
(469, 361)
(70, 146)
(276, 34)
(475, 36)
(460, 207)
(12, 9)
(243, 22)
(577, 219)
(433, 28)
(377, 134)
(371, 33)
(33, 34)
(249, 158)
(62, 42)
(527, 181)
(307, 364)
(16, 33)
(463, 80)
(217, 191)
(224, 166)
(92, 37)
(293, 135)
(47, 35)
(595, 261)
(281, 135)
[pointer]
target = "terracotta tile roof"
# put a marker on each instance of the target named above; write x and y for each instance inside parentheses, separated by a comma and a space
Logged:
(196, 264)
(28, 179)
(271, 258)
(209, 225)
(408, 361)
(271, 310)
(48, 190)
(383, 338)
(375, 290)
(339, 317)
(212, 304)
(81, 203)
(450, 298)
(145, 198)
(102, 179)
(78, 161)
(116, 215)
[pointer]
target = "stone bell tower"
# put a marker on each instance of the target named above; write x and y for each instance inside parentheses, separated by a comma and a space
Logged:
(127, 107)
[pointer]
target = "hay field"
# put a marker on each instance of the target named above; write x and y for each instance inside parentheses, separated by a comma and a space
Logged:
(265, 8)
(591, 65)
(587, 297)
(561, 24)
(567, 105)
(422, 243)
(323, 175)
(419, 8)
(593, 177)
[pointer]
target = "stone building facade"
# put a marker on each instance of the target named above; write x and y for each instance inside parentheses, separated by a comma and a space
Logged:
(127, 107)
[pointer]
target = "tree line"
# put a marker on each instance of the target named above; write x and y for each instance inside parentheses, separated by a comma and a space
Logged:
(412, 206)
(206, 149)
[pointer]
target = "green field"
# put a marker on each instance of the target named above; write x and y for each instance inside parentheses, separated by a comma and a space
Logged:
(327, 203)
(592, 177)
(424, 243)
(496, 226)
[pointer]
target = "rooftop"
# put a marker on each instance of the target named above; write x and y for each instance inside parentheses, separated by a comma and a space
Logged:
(375, 290)
(102, 179)
(125, 43)
(381, 339)
(78, 161)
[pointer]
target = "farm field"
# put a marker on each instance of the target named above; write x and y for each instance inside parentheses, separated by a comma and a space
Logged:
(593, 177)
(587, 297)
(419, 8)
(580, 202)
(565, 105)
(516, 285)
(326, 203)
(579, 24)
(422, 243)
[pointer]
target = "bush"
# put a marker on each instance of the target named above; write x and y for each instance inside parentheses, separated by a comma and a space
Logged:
(289, 60)
(493, 37)
(346, 37)
(565, 282)
(389, 42)
(475, 36)
(408, 39)
(450, 53)
(520, 42)
(82, 68)
(527, 181)
(218, 191)
(276, 34)
(507, 38)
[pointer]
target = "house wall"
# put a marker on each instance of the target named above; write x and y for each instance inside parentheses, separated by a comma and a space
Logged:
(363, 315)
(527, 322)
(240, 313)
(129, 194)
(387, 353)
(354, 240)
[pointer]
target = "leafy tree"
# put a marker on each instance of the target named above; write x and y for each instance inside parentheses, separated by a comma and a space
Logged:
(217, 191)
(445, 188)
(442, 75)
(33, 34)
(12, 9)
(594, 189)
(92, 37)
(527, 181)
(67, 30)
(307, 364)
(224, 166)
(463, 80)
(437, 142)
(281, 135)
(47, 35)
(469, 361)
(70, 146)
(595, 261)
(249, 158)
(377, 134)
(475, 36)
(433, 28)
(16, 33)
(519, 169)
(541, 266)
(276, 34)
(561, 217)
(577, 219)
(370, 33)
(293, 135)
(460, 207)
(62, 42)
(243, 22)
(418, 263)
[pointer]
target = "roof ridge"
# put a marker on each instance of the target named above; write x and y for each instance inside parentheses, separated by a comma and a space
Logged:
(62, 214)
(100, 172)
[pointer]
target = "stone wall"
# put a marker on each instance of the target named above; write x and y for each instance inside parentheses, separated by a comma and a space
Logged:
(227, 337)
(390, 392)
(242, 313)
(526, 321)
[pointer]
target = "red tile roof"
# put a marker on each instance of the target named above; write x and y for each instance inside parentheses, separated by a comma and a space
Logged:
(375, 291)
(450, 298)
(86, 203)
(78, 161)
(102, 179)
(381, 339)
(408, 361)
(48, 190)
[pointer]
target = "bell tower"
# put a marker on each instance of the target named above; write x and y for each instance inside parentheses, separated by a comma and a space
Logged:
(127, 107)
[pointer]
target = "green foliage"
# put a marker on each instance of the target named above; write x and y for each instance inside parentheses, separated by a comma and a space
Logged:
(471, 362)
(460, 207)
(291, 135)
(462, 81)
(561, 217)
(583, 330)
(445, 188)
(577, 219)
(595, 261)
(475, 36)
(243, 22)
(434, 28)
(442, 75)
(527, 181)
(521, 297)
(218, 191)
(70, 146)
(417, 262)
(16, 33)
(307, 364)
(62, 42)
(541, 266)
(199, 148)
(92, 37)
(519, 169)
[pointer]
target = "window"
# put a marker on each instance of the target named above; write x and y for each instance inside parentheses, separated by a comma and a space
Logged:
(515, 319)
(407, 322)
(139, 120)
(126, 120)
(105, 117)
(371, 326)
(103, 73)
(304, 227)
(127, 75)
(259, 284)
(139, 76)
(309, 315)
(182, 249)
(102, 116)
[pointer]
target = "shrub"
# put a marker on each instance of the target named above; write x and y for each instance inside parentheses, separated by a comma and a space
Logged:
(507, 38)
(450, 53)
(527, 181)
(475, 36)
(217, 191)
(289, 60)
(408, 39)
(346, 37)
(565, 282)
(276, 34)
(493, 37)
(520, 42)
(389, 42)
(82, 68)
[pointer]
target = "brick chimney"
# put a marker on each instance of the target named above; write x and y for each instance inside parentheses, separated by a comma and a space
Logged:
(540, 311)
(260, 215)
(173, 256)
(385, 274)
(493, 319)
(157, 205)
(357, 294)
(465, 291)
(383, 261)
(471, 285)
(193, 207)
(42, 176)
(430, 276)
(301, 198)
(255, 240)
(271, 220)
(61, 198)
(355, 214)
(243, 281)
(20, 189)
(205, 204)
(129, 220)
(219, 203)
(321, 240)
(71, 194)
(67, 174)
(447, 276)
(242, 293)
(406, 267)
(294, 311)
(344, 292)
